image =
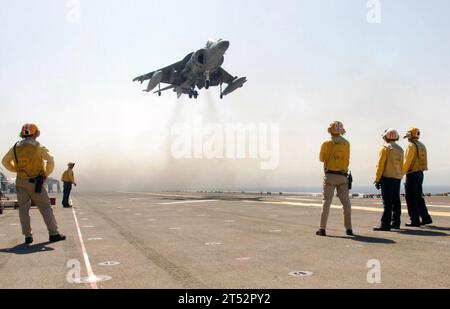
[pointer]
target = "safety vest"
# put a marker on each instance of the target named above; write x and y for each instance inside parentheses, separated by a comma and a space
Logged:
(68, 176)
(394, 161)
(339, 156)
(420, 161)
(29, 161)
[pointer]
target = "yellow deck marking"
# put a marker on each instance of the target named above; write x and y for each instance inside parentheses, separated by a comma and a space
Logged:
(161, 194)
(372, 209)
(188, 202)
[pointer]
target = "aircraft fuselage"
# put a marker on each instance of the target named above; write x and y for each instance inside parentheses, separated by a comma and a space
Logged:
(202, 63)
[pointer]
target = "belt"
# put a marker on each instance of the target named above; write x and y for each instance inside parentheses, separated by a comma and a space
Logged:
(337, 173)
(413, 172)
(30, 180)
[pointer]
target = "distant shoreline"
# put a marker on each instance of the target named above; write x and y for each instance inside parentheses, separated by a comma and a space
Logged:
(318, 190)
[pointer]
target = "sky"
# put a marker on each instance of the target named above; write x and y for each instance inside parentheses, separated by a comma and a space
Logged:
(307, 63)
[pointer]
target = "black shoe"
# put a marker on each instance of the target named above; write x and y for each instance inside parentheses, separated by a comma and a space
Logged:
(28, 240)
(395, 226)
(56, 238)
(349, 232)
(321, 233)
(412, 224)
(426, 222)
(382, 229)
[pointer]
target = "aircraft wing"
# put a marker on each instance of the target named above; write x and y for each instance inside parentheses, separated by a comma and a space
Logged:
(221, 76)
(167, 72)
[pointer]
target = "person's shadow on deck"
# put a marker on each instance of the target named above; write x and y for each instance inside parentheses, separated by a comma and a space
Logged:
(422, 232)
(366, 239)
(436, 228)
(28, 249)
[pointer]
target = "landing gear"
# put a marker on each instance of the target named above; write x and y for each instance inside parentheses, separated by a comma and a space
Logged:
(221, 94)
(193, 94)
(207, 80)
(159, 90)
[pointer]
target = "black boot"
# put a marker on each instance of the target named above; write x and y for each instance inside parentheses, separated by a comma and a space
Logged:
(382, 228)
(349, 232)
(413, 224)
(56, 238)
(29, 240)
(428, 221)
(321, 233)
(395, 226)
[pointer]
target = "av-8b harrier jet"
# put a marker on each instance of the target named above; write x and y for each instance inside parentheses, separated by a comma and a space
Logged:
(200, 69)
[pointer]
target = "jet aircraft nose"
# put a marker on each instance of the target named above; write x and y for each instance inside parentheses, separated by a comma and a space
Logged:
(223, 45)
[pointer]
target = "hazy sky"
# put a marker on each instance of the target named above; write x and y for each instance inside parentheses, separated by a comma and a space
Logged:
(308, 63)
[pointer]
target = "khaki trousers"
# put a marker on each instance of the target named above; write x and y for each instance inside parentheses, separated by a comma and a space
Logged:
(333, 182)
(25, 193)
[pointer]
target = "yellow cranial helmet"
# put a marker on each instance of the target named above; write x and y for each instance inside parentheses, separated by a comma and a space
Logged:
(391, 134)
(413, 133)
(28, 130)
(336, 128)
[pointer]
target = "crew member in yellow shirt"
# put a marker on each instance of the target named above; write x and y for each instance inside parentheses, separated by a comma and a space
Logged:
(32, 163)
(335, 155)
(416, 162)
(68, 179)
(388, 179)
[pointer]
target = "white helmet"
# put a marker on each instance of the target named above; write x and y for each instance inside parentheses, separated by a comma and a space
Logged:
(336, 128)
(391, 134)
